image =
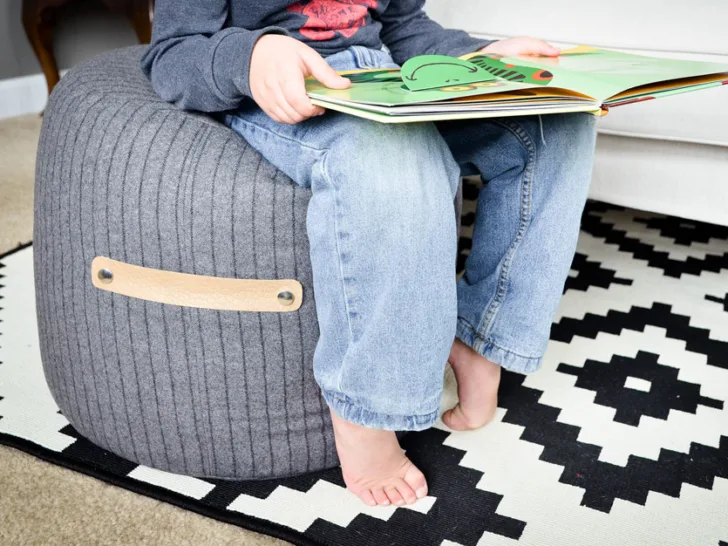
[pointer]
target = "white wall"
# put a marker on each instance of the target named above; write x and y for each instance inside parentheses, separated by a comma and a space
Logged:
(661, 25)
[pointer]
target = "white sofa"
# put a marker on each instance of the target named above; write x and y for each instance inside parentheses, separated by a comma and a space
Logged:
(669, 155)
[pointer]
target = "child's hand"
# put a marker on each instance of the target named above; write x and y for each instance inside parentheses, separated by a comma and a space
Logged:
(278, 67)
(512, 47)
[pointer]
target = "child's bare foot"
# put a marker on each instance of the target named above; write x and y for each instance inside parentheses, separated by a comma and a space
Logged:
(478, 380)
(374, 466)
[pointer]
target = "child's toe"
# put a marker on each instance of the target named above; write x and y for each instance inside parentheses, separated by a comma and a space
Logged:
(381, 497)
(414, 477)
(394, 496)
(408, 494)
(368, 498)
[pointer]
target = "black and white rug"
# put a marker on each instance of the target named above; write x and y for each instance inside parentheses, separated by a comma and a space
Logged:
(621, 439)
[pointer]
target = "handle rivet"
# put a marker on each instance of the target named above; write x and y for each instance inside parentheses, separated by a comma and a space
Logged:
(285, 297)
(105, 275)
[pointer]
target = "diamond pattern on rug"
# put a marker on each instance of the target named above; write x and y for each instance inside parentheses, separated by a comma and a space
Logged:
(621, 438)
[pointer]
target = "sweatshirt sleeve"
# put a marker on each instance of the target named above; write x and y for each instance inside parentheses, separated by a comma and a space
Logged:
(193, 62)
(408, 32)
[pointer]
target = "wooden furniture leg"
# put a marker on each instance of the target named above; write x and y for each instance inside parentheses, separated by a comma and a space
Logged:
(38, 27)
(141, 14)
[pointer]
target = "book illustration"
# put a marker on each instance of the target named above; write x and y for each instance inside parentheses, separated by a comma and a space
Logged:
(510, 71)
(435, 71)
(403, 90)
(481, 85)
(454, 74)
(471, 86)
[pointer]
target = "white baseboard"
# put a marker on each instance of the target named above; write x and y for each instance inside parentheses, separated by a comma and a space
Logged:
(24, 95)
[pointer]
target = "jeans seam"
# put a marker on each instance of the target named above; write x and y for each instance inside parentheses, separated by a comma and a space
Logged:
(337, 396)
(279, 135)
(514, 353)
(353, 58)
(347, 303)
(490, 341)
(357, 57)
(494, 305)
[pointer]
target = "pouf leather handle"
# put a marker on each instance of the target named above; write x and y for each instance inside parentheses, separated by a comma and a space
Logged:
(201, 291)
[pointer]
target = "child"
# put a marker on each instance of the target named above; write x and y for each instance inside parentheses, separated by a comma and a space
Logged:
(380, 222)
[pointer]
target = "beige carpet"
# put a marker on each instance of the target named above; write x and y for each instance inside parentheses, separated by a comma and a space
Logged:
(42, 504)
(18, 139)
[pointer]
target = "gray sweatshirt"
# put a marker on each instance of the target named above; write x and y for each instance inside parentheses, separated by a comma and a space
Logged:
(199, 58)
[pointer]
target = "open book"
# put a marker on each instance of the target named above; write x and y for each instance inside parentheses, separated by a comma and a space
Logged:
(481, 85)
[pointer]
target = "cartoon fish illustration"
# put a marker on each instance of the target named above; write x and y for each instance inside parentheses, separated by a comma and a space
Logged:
(513, 73)
(470, 87)
(433, 71)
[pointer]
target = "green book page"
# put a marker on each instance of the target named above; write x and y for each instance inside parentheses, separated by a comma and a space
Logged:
(596, 73)
(674, 87)
(444, 116)
(601, 74)
(395, 93)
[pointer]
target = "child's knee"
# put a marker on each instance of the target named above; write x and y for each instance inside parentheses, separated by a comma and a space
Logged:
(409, 162)
(578, 131)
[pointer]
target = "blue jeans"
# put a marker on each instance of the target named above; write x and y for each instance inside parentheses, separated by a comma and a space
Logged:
(383, 244)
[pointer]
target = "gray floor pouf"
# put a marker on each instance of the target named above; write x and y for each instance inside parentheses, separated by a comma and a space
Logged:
(126, 176)
(138, 365)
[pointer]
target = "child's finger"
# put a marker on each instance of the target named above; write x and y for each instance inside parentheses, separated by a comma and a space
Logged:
(272, 115)
(319, 69)
(546, 49)
(290, 113)
(280, 108)
(282, 116)
(295, 93)
(267, 107)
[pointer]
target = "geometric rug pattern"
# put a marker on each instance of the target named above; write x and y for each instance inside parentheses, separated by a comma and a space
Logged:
(620, 439)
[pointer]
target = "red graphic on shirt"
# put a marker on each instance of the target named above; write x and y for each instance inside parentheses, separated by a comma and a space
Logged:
(327, 17)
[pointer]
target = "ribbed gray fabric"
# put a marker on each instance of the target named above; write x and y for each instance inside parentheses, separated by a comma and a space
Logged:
(122, 174)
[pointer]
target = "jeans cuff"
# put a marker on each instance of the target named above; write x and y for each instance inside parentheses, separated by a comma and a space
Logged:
(343, 407)
(505, 358)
